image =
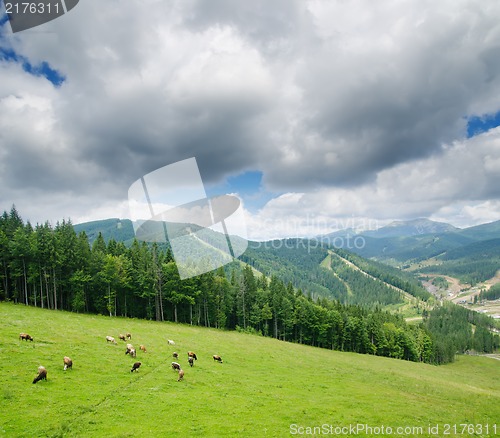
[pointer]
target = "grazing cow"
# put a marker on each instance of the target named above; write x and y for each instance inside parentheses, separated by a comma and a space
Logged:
(129, 336)
(191, 361)
(42, 374)
(175, 366)
(181, 375)
(217, 358)
(192, 354)
(68, 363)
(122, 337)
(170, 342)
(136, 366)
(142, 348)
(175, 355)
(110, 339)
(130, 350)
(25, 336)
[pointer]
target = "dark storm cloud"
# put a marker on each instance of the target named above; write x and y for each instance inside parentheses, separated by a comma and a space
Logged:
(397, 94)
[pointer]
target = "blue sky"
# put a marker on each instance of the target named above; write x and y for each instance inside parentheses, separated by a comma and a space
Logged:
(479, 124)
(248, 186)
(41, 69)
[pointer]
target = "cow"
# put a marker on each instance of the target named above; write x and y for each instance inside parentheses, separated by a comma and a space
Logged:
(68, 363)
(42, 374)
(131, 350)
(181, 375)
(217, 358)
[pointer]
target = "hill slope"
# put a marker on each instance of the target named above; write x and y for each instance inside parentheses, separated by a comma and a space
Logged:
(263, 387)
(298, 261)
(348, 277)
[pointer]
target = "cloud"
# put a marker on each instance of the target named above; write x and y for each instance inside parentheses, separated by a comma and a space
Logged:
(459, 185)
(348, 108)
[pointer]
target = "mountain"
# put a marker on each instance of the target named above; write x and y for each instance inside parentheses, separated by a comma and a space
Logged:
(318, 269)
(482, 232)
(406, 249)
(473, 263)
(411, 241)
(415, 227)
(121, 230)
(334, 273)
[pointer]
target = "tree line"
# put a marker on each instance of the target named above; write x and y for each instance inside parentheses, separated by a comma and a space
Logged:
(460, 330)
(54, 268)
(492, 294)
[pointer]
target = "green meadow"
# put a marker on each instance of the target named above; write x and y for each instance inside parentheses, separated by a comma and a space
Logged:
(264, 387)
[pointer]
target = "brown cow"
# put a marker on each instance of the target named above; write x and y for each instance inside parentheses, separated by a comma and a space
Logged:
(192, 354)
(217, 358)
(136, 366)
(68, 363)
(181, 375)
(42, 374)
(25, 336)
(175, 366)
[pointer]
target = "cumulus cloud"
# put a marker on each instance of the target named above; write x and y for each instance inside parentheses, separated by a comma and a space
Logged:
(459, 185)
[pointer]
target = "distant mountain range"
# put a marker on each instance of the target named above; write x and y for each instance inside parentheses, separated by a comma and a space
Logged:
(415, 227)
(472, 254)
(317, 269)
(420, 227)
(404, 241)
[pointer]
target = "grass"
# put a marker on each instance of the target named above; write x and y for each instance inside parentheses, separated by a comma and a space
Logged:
(262, 388)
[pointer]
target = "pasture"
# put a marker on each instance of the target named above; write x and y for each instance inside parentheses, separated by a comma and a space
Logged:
(263, 387)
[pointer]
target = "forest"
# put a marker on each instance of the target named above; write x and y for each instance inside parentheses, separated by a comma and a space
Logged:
(493, 293)
(54, 268)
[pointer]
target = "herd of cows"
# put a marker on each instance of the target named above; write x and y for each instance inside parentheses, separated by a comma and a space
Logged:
(130, 350)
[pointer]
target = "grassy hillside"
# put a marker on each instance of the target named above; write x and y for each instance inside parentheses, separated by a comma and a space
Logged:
(262, 388)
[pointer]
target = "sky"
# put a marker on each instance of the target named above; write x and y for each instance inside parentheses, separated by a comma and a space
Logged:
(319, 114)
